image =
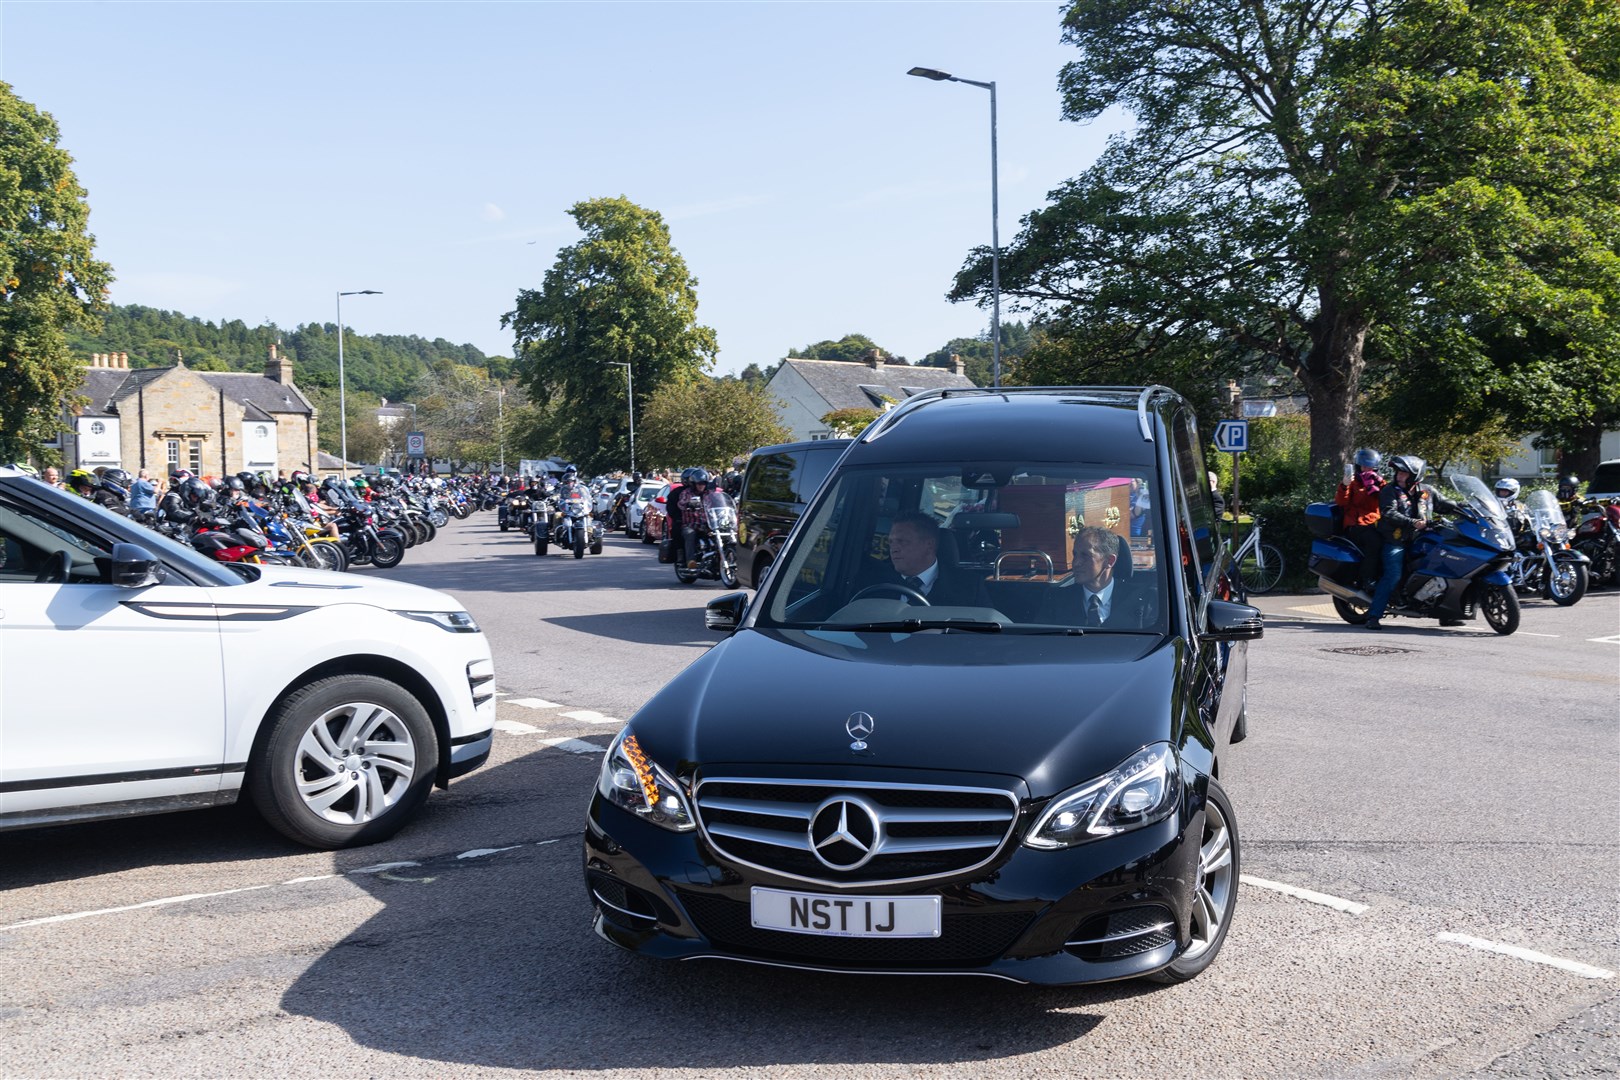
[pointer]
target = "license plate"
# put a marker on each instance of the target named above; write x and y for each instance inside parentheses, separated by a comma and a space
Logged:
(845, 916)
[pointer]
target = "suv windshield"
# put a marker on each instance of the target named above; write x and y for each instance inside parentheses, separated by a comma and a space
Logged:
(992, 547)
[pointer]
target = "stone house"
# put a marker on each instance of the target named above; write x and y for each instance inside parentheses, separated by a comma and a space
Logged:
(211, 422)
(807, 390)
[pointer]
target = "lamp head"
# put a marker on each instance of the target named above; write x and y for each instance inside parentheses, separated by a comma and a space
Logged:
(930, 73)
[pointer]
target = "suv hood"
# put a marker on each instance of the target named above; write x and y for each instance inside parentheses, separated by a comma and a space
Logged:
(1052, 710)
(322, 588)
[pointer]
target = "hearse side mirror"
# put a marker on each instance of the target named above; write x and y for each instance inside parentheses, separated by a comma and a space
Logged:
(1227, 621)
(723, 613)
(133, 567)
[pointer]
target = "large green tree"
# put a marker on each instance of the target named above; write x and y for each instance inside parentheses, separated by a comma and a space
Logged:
(49, 277)
(621, 295)
(978, 356)
(1306, 174)
(849, 348)
(707, 422)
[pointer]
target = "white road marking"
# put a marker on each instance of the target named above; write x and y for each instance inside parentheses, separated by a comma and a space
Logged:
(534, 703)
(1349, 907)
(590, 716)
(1612, 639)
(543, 843)
(381, 867)
(516, 728)
(312, 877)
(1585, 971)
(480, 852)
(575, 746)
(1527, 633)
(132, 907)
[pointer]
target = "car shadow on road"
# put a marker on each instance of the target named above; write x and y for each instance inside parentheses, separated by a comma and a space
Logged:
(491, 962)
(659, 626)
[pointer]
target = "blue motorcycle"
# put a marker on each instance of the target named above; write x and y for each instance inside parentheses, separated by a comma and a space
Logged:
(1452, 568)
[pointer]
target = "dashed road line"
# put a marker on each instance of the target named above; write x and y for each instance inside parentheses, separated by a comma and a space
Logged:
(1527, 633)
(575, 746)
(1574, 967)
(1612, 639)
(1338, 903)
(515, 727)
(590, 716)
(534, 703)
(480, 852)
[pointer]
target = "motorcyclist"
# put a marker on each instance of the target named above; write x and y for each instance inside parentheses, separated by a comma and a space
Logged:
(694, 518)
(731, 483)
(88, 485)
(1358, 496)
(1507, 492)
(1402, 514)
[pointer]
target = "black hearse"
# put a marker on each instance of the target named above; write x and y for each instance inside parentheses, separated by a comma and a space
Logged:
(1004, 763)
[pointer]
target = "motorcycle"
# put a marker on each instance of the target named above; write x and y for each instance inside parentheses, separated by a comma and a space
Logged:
(1544, 563)
(517, 512)
(1597, 536)
(365, 543)
(573, 528)
(716, 556)
(1452, 569)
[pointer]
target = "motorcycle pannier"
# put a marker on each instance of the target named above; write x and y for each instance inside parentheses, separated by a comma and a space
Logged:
(1324, 519)
(666, 550)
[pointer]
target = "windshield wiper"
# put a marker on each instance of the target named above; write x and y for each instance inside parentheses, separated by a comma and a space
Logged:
(907, 626)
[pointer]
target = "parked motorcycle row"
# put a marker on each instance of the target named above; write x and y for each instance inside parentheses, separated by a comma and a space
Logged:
(1487, 558)
(573, 518)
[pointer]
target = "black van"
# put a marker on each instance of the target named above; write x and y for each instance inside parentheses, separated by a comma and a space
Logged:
(779, 481)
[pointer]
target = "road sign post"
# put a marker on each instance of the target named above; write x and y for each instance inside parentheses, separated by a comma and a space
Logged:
(1232, 437)
(416, 445)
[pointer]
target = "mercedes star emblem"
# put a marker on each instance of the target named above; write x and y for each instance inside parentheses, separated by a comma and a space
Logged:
(860, 727)
(845, 832)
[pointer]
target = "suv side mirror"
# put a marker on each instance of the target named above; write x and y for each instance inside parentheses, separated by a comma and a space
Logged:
(723, 613)
(133, 567)
(1227, 621)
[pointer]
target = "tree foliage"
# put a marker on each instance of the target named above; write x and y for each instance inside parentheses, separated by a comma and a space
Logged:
(706, 422)
(1313, 185)
(621, 295)
(978, 359)
(850, 348)
(848, 423)
(50, 280)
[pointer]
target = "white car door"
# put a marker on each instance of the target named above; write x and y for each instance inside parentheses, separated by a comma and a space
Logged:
(108, 694)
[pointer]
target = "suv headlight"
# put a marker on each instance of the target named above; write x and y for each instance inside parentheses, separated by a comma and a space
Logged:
(630, 781)
(1142, 789)
(457, 622)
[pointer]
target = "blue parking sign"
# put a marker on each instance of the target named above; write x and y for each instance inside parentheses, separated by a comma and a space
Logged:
(1232, 436)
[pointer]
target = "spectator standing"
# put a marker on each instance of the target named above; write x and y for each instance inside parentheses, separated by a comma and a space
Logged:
(142, 493)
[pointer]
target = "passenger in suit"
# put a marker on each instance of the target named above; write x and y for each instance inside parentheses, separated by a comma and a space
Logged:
(1099, 597)
(914, 550)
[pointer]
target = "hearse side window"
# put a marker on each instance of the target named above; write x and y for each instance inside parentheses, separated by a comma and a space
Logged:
(772, 479)
(1189, 461)
(813, 469)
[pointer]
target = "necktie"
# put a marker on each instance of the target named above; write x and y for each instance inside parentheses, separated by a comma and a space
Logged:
(915, 584)
(1094, 611)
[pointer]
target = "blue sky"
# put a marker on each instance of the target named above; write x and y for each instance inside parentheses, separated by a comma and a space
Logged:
(248, 160)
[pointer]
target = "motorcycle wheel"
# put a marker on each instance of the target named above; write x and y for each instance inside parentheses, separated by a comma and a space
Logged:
(438, 518)
(541, 544)
(408, 533)
(1568, 584)
(596, 547)
(1500, 606)
(646, 537)
(579, 544)
(327, 557)
(1353, 613)
(432, 531)
(390, 550)
(728, 573)
(683, 575)
(503, 526)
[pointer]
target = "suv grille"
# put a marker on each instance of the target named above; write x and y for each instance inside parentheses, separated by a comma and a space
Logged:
(854, 833)
(965, 940)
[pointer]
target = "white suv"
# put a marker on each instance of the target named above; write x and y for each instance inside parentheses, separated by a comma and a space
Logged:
(137, 676)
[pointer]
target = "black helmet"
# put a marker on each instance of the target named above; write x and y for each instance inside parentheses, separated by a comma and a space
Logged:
(570, 472)
(179, 476)
(117, 480)
(1568, 485)
(1409, 464)
(700, 475)
(234, 483)
(196, 493)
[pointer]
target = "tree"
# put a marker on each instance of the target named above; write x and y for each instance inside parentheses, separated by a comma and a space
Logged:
(620, 295)
(706, 422)
(848, 423)
(460, 412)
(849, 348)
(49, 278)
(978, 358)
(1304, 175)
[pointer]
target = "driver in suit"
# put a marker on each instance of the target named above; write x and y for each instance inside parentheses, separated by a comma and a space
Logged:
(914, 554)
(1098, 597)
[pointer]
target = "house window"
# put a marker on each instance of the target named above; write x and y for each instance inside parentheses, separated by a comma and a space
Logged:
(174, 455)
(194, 461)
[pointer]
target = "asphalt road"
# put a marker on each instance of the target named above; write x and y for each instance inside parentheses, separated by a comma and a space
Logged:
(1452, 783)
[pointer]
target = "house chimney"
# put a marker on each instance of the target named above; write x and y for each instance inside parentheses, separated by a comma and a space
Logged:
(957, 367)
(278, 368)
(874, 359)
(123, 360)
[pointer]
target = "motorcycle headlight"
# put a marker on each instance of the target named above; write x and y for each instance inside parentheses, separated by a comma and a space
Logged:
(1142, 789)
(631, 781)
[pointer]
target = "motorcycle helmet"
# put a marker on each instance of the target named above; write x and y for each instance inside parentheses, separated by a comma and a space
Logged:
(196, 494)
(179, 476)
(686, 475)
(1367, 458)
(118, 477)
(299, 477)
(1410, 464)
(700, 475)
(1507, 489)
(234, 484)
(1568, 485)
(82, 478)
(360, 484)
(570, 474)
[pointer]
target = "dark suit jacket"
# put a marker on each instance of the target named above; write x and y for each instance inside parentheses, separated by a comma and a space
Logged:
(1127, 608)
(952, 588)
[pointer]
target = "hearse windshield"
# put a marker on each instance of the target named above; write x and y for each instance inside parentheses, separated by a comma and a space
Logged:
(995, 547)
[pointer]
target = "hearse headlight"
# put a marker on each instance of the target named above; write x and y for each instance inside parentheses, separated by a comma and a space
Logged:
(1142, 789)
(631, 781)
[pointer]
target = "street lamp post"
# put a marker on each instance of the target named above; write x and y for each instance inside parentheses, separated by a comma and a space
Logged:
(995, 219)
(500, 421)
(343, 400)
(630, 383)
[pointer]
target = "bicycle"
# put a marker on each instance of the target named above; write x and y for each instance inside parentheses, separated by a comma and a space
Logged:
(1259, 565)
